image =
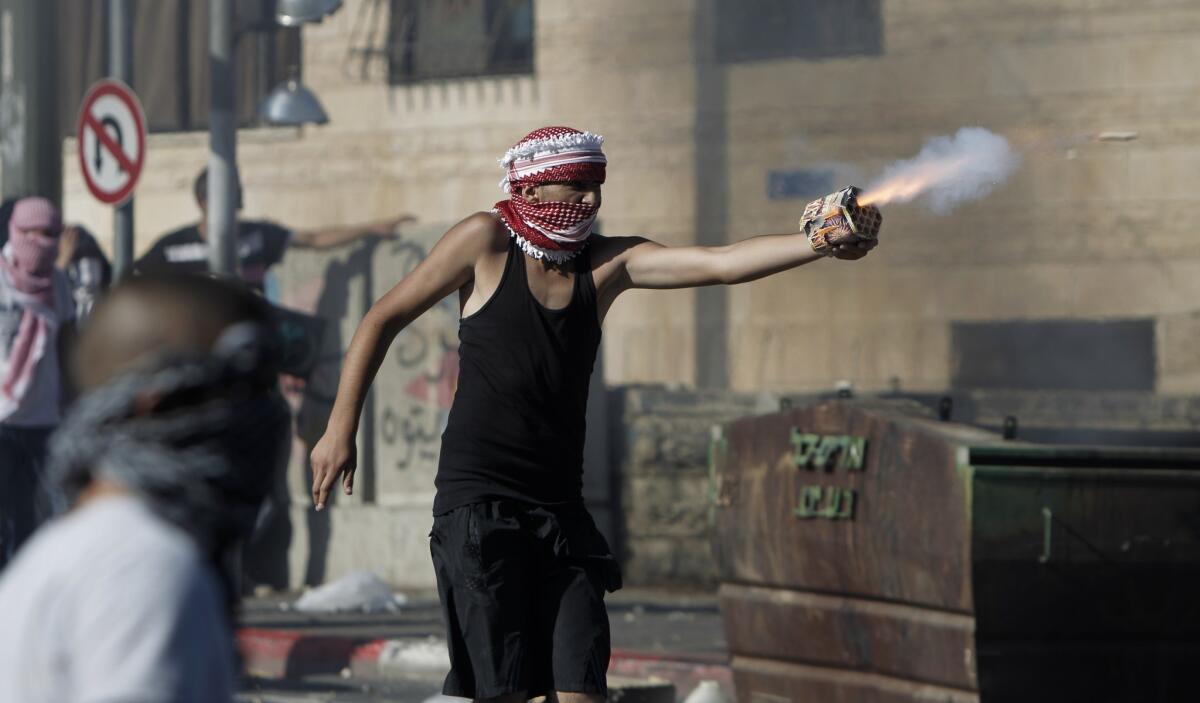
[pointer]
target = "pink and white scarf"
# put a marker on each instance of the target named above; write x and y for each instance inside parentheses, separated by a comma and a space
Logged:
(28, 263)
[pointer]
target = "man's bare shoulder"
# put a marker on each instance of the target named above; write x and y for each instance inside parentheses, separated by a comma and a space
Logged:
(477, 237)
(613, 249)
(480, 233)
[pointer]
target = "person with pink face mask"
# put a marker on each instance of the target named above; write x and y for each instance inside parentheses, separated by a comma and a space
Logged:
(36, 316)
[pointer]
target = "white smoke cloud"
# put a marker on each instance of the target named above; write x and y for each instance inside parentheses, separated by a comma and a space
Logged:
(950, 170)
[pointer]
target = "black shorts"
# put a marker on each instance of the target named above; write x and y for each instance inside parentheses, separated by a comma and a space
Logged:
(522, 590)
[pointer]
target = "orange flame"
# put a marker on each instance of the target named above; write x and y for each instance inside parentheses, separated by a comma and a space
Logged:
(911, 182)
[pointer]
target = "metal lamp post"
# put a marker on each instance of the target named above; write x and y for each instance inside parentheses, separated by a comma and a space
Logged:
(295, 105)
(120, 67)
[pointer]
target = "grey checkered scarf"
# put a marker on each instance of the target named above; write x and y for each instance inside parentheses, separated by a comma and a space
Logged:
(203, 458)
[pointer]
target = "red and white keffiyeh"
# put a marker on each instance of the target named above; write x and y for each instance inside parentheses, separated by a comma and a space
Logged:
(555, 231)
(28, 263)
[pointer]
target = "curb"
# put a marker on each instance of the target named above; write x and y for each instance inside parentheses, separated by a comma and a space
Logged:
(685, 670)
(285, 654)
(293, 654)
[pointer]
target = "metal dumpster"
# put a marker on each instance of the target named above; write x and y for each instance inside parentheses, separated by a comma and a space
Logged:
(871, 553)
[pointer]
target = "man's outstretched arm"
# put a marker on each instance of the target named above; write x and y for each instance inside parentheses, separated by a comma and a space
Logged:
(648, 264)
(449, 266)
(329, 237)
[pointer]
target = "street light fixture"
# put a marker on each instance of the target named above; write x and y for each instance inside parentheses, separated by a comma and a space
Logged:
(292, 105)
(291, 13)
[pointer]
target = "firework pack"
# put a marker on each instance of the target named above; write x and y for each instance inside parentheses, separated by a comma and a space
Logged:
(837, 218)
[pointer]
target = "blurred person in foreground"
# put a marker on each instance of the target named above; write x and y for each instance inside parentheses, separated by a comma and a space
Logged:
(520, 565)
(260, 244)
(163, 462)
(36, 315)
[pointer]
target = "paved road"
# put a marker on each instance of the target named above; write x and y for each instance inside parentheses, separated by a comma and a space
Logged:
(645, 621)
(642, 619)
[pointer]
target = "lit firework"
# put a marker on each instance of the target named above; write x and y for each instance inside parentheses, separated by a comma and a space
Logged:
(949, 169)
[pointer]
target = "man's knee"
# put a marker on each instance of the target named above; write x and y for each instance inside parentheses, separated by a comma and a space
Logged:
(570, 697)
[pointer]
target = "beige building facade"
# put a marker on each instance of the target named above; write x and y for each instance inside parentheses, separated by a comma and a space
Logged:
(708, 144)
(1083, 230)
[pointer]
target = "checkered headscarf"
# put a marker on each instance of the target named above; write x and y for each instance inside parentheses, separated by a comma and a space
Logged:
(204, 459)
(551, 230)
(27, 261)
(29, 258)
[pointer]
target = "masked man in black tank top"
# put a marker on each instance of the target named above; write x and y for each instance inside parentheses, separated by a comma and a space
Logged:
(521, 567)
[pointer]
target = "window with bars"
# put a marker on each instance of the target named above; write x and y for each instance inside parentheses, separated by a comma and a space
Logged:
(758, 30)
(170, 58)
(439, 39)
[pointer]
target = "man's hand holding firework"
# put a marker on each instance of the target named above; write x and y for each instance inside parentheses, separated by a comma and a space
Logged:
(837, 226)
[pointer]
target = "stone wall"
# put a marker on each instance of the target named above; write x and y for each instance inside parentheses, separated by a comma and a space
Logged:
(661, 460)
(1085, 229)
(622, 68)
(1060, 240)
(384, 525)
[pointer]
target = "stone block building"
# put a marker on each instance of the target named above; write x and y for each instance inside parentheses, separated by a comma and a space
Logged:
(1082, 272)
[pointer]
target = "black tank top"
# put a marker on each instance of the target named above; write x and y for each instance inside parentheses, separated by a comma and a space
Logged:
(517, 424)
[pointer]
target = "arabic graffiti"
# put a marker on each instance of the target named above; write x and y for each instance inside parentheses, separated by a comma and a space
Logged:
(426, 356)
(414, 432)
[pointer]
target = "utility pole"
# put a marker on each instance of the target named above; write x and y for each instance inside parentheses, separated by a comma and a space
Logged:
(222, 143)
(120, 67)
(711, 315)
(30, 130)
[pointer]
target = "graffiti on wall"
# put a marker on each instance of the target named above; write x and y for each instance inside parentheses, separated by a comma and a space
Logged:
(414, 388)
(412, 424)
(424, 361)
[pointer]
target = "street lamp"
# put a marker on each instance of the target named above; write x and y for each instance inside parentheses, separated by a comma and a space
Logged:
(291, 13)
(289, 104)
(292, 105)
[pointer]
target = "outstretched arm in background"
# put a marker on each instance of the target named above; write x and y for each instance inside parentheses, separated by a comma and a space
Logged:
(449, 266)
(329, 237)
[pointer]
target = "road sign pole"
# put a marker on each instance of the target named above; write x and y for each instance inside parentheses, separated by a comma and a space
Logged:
(120, 62)
(222, 141)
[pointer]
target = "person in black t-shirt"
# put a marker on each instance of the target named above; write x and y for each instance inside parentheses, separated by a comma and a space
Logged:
(84, 262)
(260, 244)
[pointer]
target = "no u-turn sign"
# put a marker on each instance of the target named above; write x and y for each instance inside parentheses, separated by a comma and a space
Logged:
(112, 141)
